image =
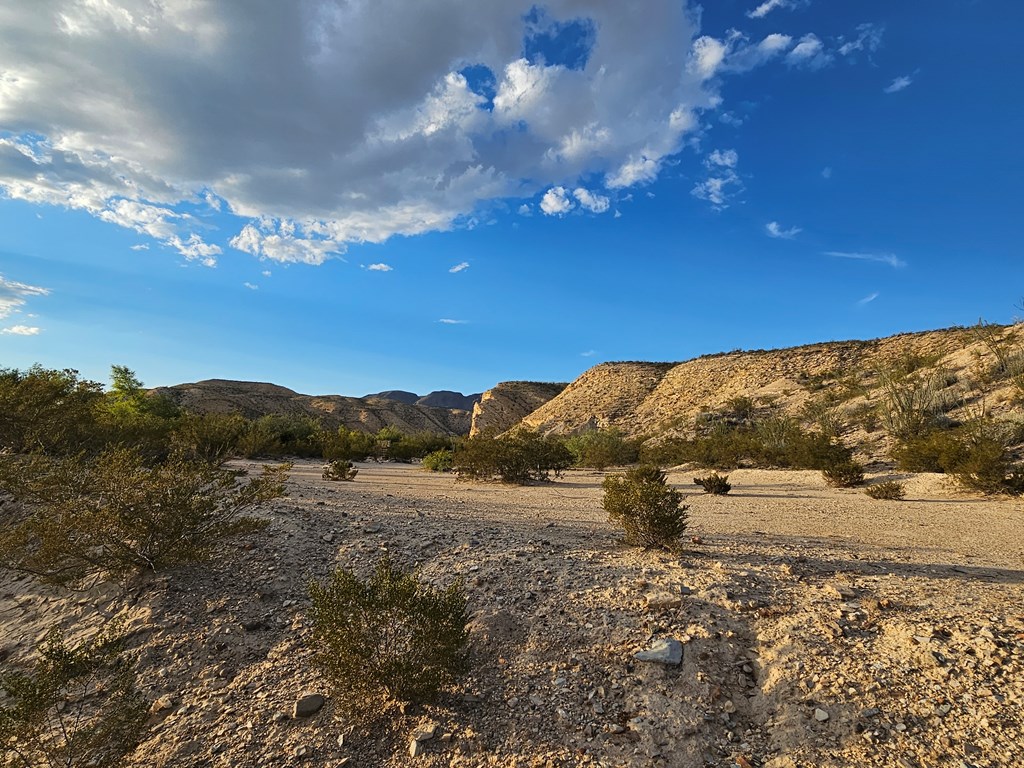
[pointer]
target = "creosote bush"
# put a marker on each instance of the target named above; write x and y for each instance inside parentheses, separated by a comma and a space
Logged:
(520, 456)
(390, 638)
(115, 515)
(844, 474)
(715, 484)
(889, 490)
(339, 469)
(602, 448)
(76, 706)
(439, 461)
(642, 504)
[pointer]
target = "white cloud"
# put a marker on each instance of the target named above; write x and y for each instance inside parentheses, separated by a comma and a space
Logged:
(724, 158)
(809, 52)
(588, 353)
(885, 258)
(251, 286)
(14, 296)
(556, 202)
(380, 267)
(826, 172)
(140, 247)
(340, 137)
(868, 299)
(449, 321)
(770, 5)
(899, 84)
(21, 330)
(464, 265)
(869, 39)
(591, 201)
(266, 273)
(774, 229)
(525, 210)
(710, 56)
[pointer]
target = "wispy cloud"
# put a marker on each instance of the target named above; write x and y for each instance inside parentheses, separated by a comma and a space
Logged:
(885, 258)
(770, 5)
(867, 299)
(774, 229)
(809, 53)
(449, 321)
(826, 172)
(525, 210)
(723, 158)
(266, 273)
(588, 353)
(141, 247)
(459, 267)
(14, 295)
(21, 330)
(897, 85)
(869, 39)
(380, 267)
(591, 201)
(251, 286)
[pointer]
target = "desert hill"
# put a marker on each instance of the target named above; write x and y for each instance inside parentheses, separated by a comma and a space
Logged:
(255, 399)
(442, 398)
(504, 406)
(838, 379)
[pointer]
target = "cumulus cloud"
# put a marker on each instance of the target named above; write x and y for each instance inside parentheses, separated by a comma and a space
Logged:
(899, 84)
(380, 267)
(14, 296)
(722, 183)
(710, 56)
(21, 330)
(774, 229)
(152, 114)
(591, 201)
(724, 158)
(556, 202)
(459, 267)
(885, 258)
(809, 52)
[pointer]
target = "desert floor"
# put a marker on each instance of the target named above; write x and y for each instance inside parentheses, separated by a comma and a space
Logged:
(819, 628)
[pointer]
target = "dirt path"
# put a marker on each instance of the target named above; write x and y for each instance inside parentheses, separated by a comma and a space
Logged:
(819, 627)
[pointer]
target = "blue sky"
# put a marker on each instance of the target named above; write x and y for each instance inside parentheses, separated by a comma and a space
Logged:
(345, 198)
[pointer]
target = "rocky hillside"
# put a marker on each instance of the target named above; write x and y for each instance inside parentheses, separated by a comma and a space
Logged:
(509, 403)
(840, 378)
(442, 398)
(255, 399)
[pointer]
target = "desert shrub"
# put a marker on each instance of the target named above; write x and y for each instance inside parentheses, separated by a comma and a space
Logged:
(889, 490)
(932, 451)
(439, 461)
(844, 474)
(347, 444)
(601, 448)
(415, 446)
(824, 416)
(339, 469)
(209, 437)
(1007, 356)
(911, 403)
(281, 435)
(715, 484)
(642, 504)
(740, 407)
(75, 706)
(114, 515)
(48, 411)
(520, 456)
(388, 638)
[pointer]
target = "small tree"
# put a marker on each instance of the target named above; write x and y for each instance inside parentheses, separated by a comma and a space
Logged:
(76, 706)
(389, 638)
(640, 502)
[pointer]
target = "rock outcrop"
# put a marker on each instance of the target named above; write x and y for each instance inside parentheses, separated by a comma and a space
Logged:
(507, 404)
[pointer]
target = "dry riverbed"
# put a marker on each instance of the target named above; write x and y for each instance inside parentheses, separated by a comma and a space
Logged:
(818, 627)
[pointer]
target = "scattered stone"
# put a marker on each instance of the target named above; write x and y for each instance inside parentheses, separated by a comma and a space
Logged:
(663, 651)
(327, 538)
(840, 591)
(308, 704)
(663, 601)
(416, 748)
(162, 704)
(820, 715)
(425, 732)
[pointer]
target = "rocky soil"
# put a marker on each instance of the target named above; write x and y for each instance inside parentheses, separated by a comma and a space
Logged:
(817, 628)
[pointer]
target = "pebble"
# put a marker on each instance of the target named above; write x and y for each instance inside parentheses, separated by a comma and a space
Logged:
(820, 715)
(308, 704)
(663, 651)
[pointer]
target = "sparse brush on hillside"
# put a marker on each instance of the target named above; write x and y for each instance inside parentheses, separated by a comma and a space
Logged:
(602, 448)
(520, 456)
(76, 706)
(714, 484)
(1007, 356)
(115, 515)
(645, 507)
(913, 402)
(390, 638)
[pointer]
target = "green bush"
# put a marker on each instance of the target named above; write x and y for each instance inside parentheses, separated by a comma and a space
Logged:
(209, 437)
(48, 411)
(520, 456)
(439, 461)
(844, 474)
(347, 444)
(715, 484)
(339, 469)
(601, 448)
(640, 502)
(389, 638)
(76, 706)
(890, 490)
(114, 515)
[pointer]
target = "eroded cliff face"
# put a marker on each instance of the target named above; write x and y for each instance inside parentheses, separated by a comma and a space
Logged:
(504, 406)
(255, 399)
(653, 400)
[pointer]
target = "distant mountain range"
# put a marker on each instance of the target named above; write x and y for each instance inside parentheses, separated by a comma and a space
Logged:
(442, 398)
